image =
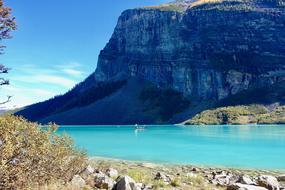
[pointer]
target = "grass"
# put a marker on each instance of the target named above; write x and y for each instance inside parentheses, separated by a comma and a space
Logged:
(176, 182)
(158, 184)
(142, 176)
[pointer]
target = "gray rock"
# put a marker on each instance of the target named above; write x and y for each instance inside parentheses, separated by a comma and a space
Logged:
(126, 183)
(99, 172)
(268, 182)
(89, 170)
(102, 181)
(246, 180)
(224, 179)
(221, 179)
(163, 177)
(196, 169)
(15, 161)
(140, 185)
(190, 174)
(111, 172)
(239, 186)
(281, 177)
(147, 187)
(78, 182)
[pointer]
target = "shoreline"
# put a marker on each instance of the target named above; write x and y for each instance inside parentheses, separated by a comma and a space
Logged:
(200, 166)
(155, 176)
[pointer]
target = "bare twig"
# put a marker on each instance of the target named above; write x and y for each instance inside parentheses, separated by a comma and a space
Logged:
(8, 100)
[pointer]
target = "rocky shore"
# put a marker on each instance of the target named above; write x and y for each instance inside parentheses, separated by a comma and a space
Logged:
(126, 175)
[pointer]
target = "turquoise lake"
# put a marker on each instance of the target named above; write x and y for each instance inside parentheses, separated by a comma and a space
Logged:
(253, 146)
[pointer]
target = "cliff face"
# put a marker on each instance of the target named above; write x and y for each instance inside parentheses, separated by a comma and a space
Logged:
(209, 52)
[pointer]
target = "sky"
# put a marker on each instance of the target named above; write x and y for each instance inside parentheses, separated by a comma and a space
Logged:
(56, 44)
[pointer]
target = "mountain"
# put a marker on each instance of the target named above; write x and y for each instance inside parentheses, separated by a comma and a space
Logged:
(165, 64)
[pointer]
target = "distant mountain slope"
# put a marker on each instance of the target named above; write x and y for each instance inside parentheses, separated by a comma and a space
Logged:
(202, 54)
(133, 102)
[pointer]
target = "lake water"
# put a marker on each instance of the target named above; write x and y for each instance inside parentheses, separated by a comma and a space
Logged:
(253, 146)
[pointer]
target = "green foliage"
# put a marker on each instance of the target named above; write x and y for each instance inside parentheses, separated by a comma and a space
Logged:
(164, 102)
(239, 115)
(257, 109)
(34, 156)
(158, 185)
(176, 182)
(277, 116)
(140, 175)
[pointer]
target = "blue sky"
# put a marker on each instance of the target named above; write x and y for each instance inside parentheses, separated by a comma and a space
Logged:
(57, 44)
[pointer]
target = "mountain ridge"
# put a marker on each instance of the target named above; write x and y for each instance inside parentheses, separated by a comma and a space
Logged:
(207, 53)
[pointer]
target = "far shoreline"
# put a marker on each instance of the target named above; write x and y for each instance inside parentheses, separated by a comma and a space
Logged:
(169, 125)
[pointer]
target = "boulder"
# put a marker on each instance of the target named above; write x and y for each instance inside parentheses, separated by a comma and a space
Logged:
(126, 183)
(224, 179)
(87, 172)
(99, 172)
(112, 173)
(268, 182)
(78, 182)
(147, 187)
(190, 174)
(140, 185)
(196, 169)
(246, 180)
(163, 177)
(281, 177)
(15, 161)
(239, 186)
(102, 181)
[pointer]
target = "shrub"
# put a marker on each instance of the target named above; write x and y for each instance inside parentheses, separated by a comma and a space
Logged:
(158, 184)
(33, 156)
(257, 109)
(175, 182)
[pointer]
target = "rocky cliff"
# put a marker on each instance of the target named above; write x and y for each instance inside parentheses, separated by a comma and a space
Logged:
(208, 51)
